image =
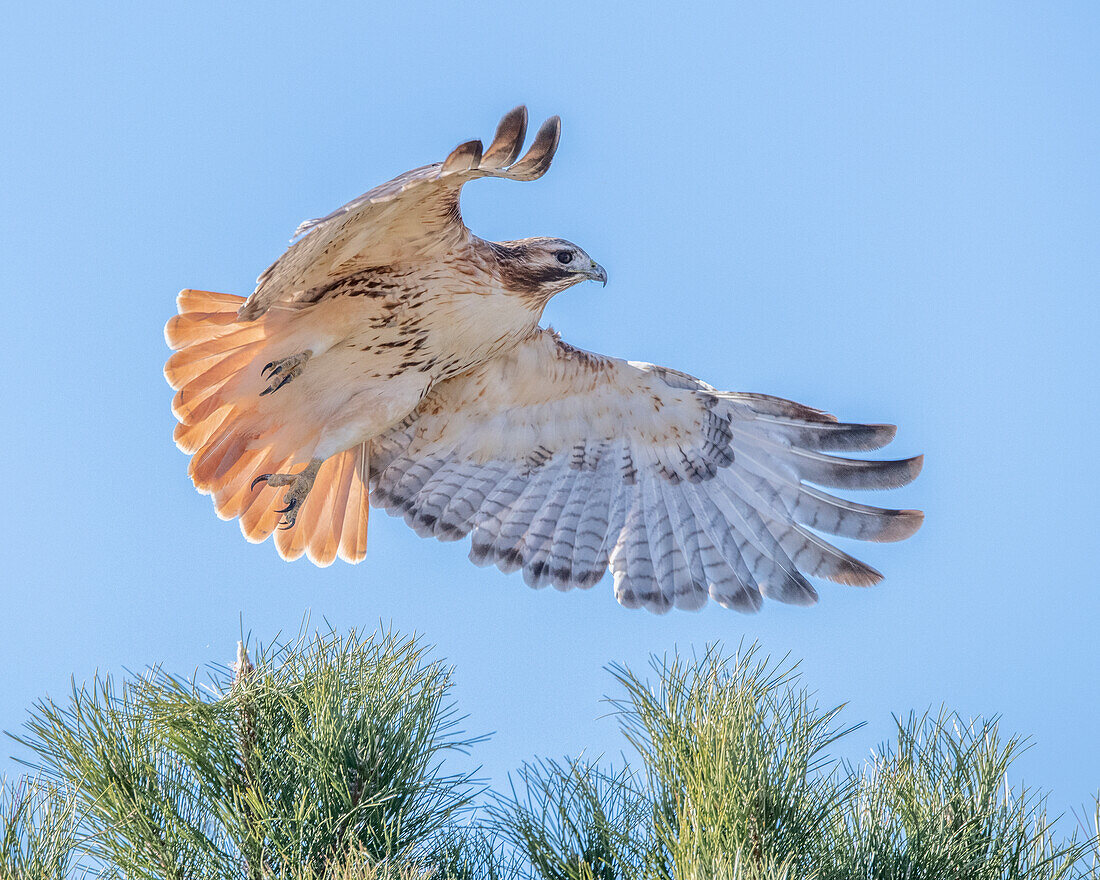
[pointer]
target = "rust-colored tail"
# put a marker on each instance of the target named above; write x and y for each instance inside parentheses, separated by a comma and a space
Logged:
(231, 440)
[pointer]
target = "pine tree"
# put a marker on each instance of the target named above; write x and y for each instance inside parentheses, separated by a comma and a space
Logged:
(326, 757)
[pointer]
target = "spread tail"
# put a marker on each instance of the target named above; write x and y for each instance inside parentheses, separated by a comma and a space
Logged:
(232, 439)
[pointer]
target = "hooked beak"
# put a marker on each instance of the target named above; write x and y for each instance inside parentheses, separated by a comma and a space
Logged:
(596, 272)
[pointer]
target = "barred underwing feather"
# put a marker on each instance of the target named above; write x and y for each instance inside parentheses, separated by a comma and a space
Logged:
(459, 514)
(775, 573)
(847, 473)
(631, 561)
(496, 507)
(819, 436)
(809, 553)
(672, 570)
(559, 561)
(563, 463)
(426, 509)
(507, 529)
(837, 516)
(818, 509)
(742, 591)
(509, 542)
(540, 532)
(388, 446)
(831, 563)
(660, 545)
(408, 480)
(597, 520)
(691, 581)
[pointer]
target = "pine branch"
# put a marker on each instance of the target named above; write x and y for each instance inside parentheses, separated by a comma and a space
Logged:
(325, 757)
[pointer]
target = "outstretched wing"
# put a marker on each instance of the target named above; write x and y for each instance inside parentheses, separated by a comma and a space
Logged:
(409, 218)
(560, 463)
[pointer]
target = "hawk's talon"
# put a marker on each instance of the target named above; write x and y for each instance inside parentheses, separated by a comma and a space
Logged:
(300, 485)
(279, 372)
(293, 505)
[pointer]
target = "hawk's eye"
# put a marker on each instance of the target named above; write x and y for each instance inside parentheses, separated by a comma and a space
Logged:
(565, 257)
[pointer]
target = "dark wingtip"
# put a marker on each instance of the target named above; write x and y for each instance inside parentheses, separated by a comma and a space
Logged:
(901, 472)
(881, 435)
(464, 157)
(508, 140)
(906, 523)
(541, 154)
(859, 575)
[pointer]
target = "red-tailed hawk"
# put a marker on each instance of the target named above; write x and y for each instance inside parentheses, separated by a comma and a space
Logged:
(390, 351)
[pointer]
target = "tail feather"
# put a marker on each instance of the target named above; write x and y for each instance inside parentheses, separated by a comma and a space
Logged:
(190, 300)
(210, 385)
(231, 442)
(203, 315)
(326, 547)
(201, 407)
(291, 543)
(260, 516)
(235, 492)
(333, 516)
(211, 463)
(190, 363)
(196, 328)
(353, 536)
(322, 549)
(191, 438)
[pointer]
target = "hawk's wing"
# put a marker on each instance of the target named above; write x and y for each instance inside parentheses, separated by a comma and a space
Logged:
(409, 218)
(561, 462)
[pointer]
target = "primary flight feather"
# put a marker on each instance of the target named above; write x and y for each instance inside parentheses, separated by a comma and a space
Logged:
(392, 355)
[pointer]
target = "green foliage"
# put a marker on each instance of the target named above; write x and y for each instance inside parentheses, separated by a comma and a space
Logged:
(38, 838)
(939, 804)
(328, 746)
(736, 783)
(326, 760)
(735, 758)
(577, 822)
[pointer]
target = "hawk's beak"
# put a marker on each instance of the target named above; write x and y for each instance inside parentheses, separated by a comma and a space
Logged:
(597, 273)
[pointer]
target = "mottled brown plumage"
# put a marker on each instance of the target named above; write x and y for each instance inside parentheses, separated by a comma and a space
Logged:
(391, 350)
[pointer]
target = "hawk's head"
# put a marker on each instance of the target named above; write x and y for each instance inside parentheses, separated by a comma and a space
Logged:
(541, 267)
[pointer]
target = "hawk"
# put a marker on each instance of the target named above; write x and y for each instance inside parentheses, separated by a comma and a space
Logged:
(391, 355)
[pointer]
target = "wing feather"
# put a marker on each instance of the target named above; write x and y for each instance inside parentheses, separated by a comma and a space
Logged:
(691, 582)
(539, 541)
(741, 591)
(564, 463)
(414, 216)
(590, 551)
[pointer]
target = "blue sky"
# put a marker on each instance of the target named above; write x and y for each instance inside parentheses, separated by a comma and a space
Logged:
(889, 211)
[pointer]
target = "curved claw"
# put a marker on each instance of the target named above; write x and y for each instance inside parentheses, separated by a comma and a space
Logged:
(270, 366)
(277, 385)
(291, 511)
(262, 478)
